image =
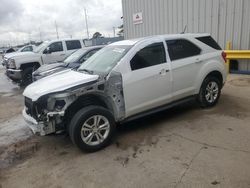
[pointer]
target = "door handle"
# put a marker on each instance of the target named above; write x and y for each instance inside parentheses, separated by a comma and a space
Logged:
(163, 71)
(198, 61)
(62, 54)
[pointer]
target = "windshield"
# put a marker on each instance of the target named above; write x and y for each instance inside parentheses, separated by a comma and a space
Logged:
(41, 47)
(105, 59)
(20, 49)
(75, 56)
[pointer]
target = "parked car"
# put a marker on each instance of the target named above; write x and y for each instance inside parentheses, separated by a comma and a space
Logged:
(21, 65)
(124, 81)
(7, 56)
(71, 62)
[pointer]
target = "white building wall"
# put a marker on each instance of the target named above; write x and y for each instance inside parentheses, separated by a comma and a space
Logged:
(226, 20)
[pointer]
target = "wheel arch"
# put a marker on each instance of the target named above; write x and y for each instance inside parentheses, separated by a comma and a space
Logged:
(216, 73)
(87, 100)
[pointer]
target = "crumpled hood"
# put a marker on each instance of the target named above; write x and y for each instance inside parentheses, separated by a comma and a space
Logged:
(57, 82)
(48, 67)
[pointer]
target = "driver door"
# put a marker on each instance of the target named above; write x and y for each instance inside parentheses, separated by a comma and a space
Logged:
(148, 85)
(54, 53)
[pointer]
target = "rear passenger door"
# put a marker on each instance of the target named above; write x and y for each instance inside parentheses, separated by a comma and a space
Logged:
(72, 46)
(185, 63)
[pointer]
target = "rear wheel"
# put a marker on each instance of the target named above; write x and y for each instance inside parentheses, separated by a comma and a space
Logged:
(210, 92)
(92, 128)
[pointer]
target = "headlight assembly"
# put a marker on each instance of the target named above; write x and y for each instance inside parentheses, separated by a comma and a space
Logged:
(12, 64)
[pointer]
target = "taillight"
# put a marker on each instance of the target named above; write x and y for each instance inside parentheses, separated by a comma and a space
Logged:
(224, 55)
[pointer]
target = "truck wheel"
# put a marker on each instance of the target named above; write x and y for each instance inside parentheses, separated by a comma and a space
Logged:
(210, 92)
(26, 76)
(92, 128)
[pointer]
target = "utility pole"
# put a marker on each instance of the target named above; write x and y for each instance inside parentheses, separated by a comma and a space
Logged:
(86, 20)
(30, 37)
(40, 34)
(56, 30)
(114, 31)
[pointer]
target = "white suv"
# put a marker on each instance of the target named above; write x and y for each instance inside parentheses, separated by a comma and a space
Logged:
(21, 65)
(123, 81)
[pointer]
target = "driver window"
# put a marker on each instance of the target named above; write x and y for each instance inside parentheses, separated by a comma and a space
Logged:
(151, 55)
(56, 47)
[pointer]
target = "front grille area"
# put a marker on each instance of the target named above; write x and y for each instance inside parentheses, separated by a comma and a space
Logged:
(29, 106)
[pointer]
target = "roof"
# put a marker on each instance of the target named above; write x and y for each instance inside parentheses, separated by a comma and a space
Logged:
(168, 36)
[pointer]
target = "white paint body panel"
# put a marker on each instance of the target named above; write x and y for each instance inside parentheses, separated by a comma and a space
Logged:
(57, 82)
(145, 89)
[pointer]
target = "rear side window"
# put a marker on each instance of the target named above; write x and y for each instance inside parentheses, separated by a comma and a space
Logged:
(208, 40)
(73, 44)
(151, 55)
(179, 49)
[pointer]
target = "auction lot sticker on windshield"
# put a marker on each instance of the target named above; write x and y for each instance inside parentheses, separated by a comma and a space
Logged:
(119, 50)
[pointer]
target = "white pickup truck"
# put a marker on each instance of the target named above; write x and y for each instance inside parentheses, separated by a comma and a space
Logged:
(19, 67)
(123, 81)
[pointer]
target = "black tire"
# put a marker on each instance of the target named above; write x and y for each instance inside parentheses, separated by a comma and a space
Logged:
(203, 101)
(81, 117)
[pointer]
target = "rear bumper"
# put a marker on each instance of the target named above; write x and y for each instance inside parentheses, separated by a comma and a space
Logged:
(14, 74)
(38, 128)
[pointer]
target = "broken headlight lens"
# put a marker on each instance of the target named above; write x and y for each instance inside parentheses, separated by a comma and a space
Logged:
(59, 104)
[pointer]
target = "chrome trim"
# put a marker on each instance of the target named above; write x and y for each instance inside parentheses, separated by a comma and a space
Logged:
(14, 70)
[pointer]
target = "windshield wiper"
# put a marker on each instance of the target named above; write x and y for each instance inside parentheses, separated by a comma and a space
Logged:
(86, 70)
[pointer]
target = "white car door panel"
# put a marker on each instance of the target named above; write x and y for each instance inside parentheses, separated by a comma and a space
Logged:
(148, 87)
(185, 63)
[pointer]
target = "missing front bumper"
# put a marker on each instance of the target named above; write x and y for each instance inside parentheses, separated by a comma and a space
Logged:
(38, 128)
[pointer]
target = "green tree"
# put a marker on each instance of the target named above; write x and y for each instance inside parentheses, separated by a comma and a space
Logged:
(121, 30)
(96, 35)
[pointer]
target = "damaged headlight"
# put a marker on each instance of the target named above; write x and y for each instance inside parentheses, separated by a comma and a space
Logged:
(57, 102)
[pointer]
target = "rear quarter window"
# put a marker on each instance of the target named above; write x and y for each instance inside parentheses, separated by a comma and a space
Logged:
(208, 40)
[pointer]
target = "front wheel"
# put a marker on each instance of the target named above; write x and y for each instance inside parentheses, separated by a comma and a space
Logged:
(210, 92)
(92, 128)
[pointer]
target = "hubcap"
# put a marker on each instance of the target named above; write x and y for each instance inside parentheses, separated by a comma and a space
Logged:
(212, 91)
(95, 130)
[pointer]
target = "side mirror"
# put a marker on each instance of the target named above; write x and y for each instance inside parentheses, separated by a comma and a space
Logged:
(47, 51)
(84, 59)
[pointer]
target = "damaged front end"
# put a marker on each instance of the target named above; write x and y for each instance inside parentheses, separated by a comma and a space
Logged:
(45, 116)
(48, 114)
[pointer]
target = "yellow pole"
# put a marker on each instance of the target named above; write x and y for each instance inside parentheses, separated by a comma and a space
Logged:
(228, 47)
